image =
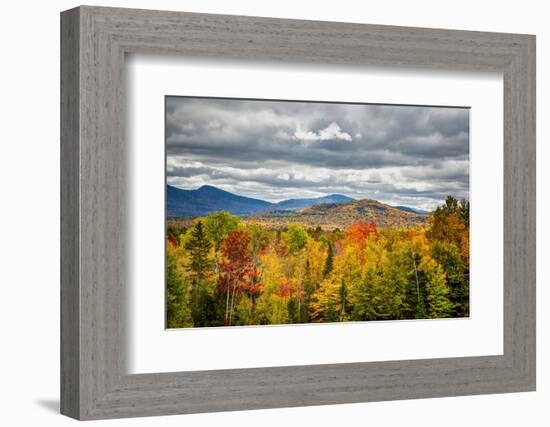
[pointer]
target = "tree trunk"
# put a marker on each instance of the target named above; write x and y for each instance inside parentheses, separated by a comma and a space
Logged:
(226, 307)
(232, 303)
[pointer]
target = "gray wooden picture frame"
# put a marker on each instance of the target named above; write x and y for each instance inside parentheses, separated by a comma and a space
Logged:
(94, 382)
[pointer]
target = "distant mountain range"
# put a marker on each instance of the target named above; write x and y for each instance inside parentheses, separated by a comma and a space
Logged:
(208, 199)
(334, 210)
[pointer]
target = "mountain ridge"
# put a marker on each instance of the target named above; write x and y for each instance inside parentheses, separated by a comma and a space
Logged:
(334, 210)
(294, 204)
(340, 215)
(208, 199)
(413, 210)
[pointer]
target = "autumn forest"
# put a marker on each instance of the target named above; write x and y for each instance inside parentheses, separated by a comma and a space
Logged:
(225, 270)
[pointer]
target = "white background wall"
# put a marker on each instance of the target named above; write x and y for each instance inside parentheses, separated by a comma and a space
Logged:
(29, 224)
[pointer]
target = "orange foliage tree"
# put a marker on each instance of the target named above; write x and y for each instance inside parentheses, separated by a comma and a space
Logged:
(359, 233)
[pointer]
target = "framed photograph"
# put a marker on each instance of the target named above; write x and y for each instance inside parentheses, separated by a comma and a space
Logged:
(261, 213)
(299, 238)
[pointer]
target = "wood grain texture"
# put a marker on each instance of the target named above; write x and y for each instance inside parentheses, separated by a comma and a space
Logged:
(94, 236)
(70, 220)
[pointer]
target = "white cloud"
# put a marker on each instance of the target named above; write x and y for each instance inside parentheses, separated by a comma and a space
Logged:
(275, 150)
(332, 131)
(424, 187)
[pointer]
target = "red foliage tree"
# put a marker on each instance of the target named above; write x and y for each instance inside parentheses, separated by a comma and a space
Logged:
(237, 273)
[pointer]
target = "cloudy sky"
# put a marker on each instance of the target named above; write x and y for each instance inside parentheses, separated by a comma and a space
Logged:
(275, 150)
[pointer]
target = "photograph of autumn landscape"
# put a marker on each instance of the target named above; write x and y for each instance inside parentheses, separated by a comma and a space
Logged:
(291, 212)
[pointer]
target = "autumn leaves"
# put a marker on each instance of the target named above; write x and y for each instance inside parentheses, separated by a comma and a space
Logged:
(224, 272)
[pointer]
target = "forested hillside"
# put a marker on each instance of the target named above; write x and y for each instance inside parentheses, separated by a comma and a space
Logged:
(224, 271)
(339, 215)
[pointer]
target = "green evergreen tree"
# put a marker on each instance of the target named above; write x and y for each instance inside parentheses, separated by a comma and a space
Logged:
(447, 255)
(420, 309)
(178, 312)
(294, 315)
(199, 247)
(329, 262)
(437, 291)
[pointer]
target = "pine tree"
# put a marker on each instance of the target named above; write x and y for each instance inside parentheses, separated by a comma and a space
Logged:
(202, 305)
(437, 291)
(178, 312)
(447, 255)
(329, 262)
(199, 247)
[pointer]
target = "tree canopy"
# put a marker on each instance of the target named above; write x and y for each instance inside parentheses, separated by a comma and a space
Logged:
(224, 270)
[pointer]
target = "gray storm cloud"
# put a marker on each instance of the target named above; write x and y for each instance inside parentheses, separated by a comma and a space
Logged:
(274, 150)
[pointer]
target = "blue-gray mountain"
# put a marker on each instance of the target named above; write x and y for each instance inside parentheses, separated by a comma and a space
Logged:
(208, 199)
(412, 210)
